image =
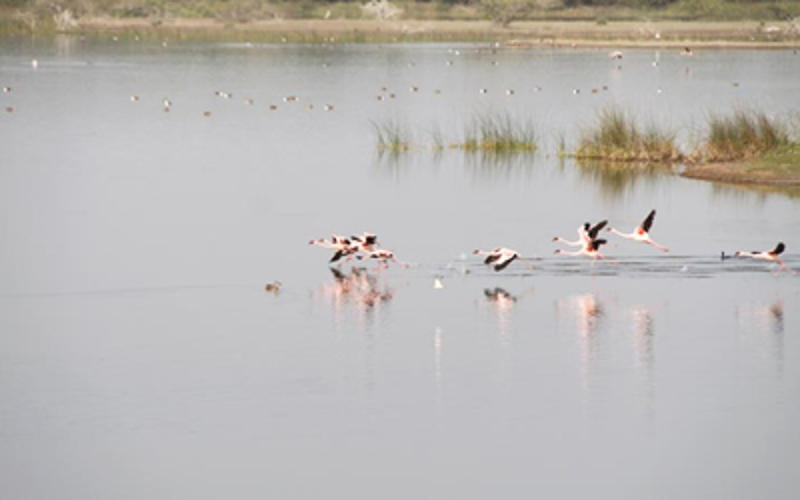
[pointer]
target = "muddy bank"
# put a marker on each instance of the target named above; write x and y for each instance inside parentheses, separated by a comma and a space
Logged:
(740, 34)
(741, 173)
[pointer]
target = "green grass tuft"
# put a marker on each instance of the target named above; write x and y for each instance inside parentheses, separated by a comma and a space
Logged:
(616, 137)
(742, 135)
(498, 134)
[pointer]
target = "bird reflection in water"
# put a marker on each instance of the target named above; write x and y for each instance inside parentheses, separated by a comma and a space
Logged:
(502, 302)
(358, 289)
(588, 312)
(643, 329)
(764, 323)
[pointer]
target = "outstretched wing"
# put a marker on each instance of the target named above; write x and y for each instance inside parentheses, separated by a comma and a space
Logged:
(491, 258)
(596, 228)
(596, 244)
(503, 265)
(337, 256)
(779, 249)
(647, 223)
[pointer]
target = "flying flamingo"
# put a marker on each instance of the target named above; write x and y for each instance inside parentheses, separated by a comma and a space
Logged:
(384, 256)
(768, 256)
(499, 258)
(342, 245)
(586, 234)
(640, 232)
(366, 242)
(591, 250)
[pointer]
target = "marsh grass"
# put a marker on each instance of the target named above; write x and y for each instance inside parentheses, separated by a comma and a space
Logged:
(742, 135)
(617, 137)
(498, 134)
(392, 136)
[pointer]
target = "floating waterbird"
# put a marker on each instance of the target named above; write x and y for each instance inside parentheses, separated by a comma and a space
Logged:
(291, 98)
(328, 107)
(7, 90)
(134, 98)
(249, 100)
(640, 233)
(9, 109)
(770, 256)
(617, 54)
(206, 113)
(273, 107)
(167, 104)
(483, 91)
(499, 258)
(509, 92)
(437, 282)
(414, 88)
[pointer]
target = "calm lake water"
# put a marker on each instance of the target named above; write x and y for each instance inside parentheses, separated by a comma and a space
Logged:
(140, 356)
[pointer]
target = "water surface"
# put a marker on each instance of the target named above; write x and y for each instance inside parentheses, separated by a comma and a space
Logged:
(141, 356)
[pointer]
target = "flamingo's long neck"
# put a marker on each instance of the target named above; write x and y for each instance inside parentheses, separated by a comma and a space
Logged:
(568, 242)
(630, 236)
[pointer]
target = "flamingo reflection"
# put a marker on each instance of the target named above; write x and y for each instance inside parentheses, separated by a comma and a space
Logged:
(358, 290)
(764, 324)
(589, 313)
(643, 328)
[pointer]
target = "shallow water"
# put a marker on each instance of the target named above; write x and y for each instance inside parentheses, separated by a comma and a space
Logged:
(141, 356)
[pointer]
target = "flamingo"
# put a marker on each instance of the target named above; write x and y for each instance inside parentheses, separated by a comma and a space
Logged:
(499, 258)
(342, 245)
(366, 242)
(591, 250)
(617, 54)
(384, 256)
(771, 256)
(586, 234)
(640, 232)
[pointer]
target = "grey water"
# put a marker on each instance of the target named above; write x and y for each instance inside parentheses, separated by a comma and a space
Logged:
(141, 357)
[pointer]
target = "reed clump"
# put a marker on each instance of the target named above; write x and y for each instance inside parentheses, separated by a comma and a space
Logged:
(392, 136)
(742, 135)
(616, 137)
(498, 134)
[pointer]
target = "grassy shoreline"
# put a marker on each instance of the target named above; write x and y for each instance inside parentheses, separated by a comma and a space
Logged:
(725, 34)
(774, 168)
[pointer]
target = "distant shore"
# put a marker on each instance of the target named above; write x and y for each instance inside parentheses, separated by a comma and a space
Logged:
(666, 34)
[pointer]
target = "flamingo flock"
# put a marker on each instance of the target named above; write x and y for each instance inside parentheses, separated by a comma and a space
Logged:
(363, 246)
(366, 246)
